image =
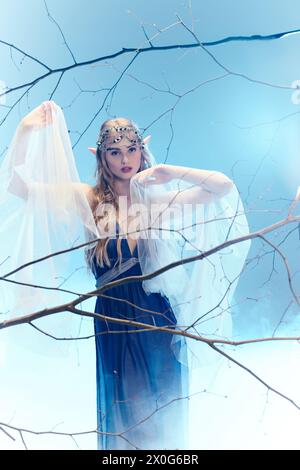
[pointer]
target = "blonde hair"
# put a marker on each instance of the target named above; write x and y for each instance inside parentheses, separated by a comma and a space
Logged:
(104, 193)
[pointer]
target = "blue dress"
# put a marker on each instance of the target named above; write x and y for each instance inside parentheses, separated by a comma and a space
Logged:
(142, 390)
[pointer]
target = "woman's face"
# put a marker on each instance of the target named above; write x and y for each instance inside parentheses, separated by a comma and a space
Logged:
(123, 159)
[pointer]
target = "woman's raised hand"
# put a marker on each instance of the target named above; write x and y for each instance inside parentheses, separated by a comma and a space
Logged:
(40, 117)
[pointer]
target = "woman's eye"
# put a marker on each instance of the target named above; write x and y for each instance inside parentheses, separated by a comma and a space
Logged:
(116, 152)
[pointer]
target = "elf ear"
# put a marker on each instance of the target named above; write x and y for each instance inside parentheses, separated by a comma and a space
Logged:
(147, 139)
(93, 150)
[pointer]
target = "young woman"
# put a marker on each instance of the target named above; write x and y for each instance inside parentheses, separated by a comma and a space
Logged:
(143, 375)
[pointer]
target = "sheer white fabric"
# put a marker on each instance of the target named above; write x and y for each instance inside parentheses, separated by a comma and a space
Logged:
(43, 210)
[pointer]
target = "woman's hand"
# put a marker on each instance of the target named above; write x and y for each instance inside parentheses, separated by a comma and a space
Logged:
(157, 174)
(40, 117)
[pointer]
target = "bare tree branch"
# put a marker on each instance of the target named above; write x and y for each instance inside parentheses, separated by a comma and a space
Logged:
(60, 30)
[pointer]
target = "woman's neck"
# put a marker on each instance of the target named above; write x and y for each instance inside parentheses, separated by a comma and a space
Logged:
(122, 188)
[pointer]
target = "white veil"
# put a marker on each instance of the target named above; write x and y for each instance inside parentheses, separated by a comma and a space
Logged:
(44, 209)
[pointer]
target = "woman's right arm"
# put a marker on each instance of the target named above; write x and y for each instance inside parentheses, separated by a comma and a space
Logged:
(20, 189)
(39, 118)
(17, 185)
